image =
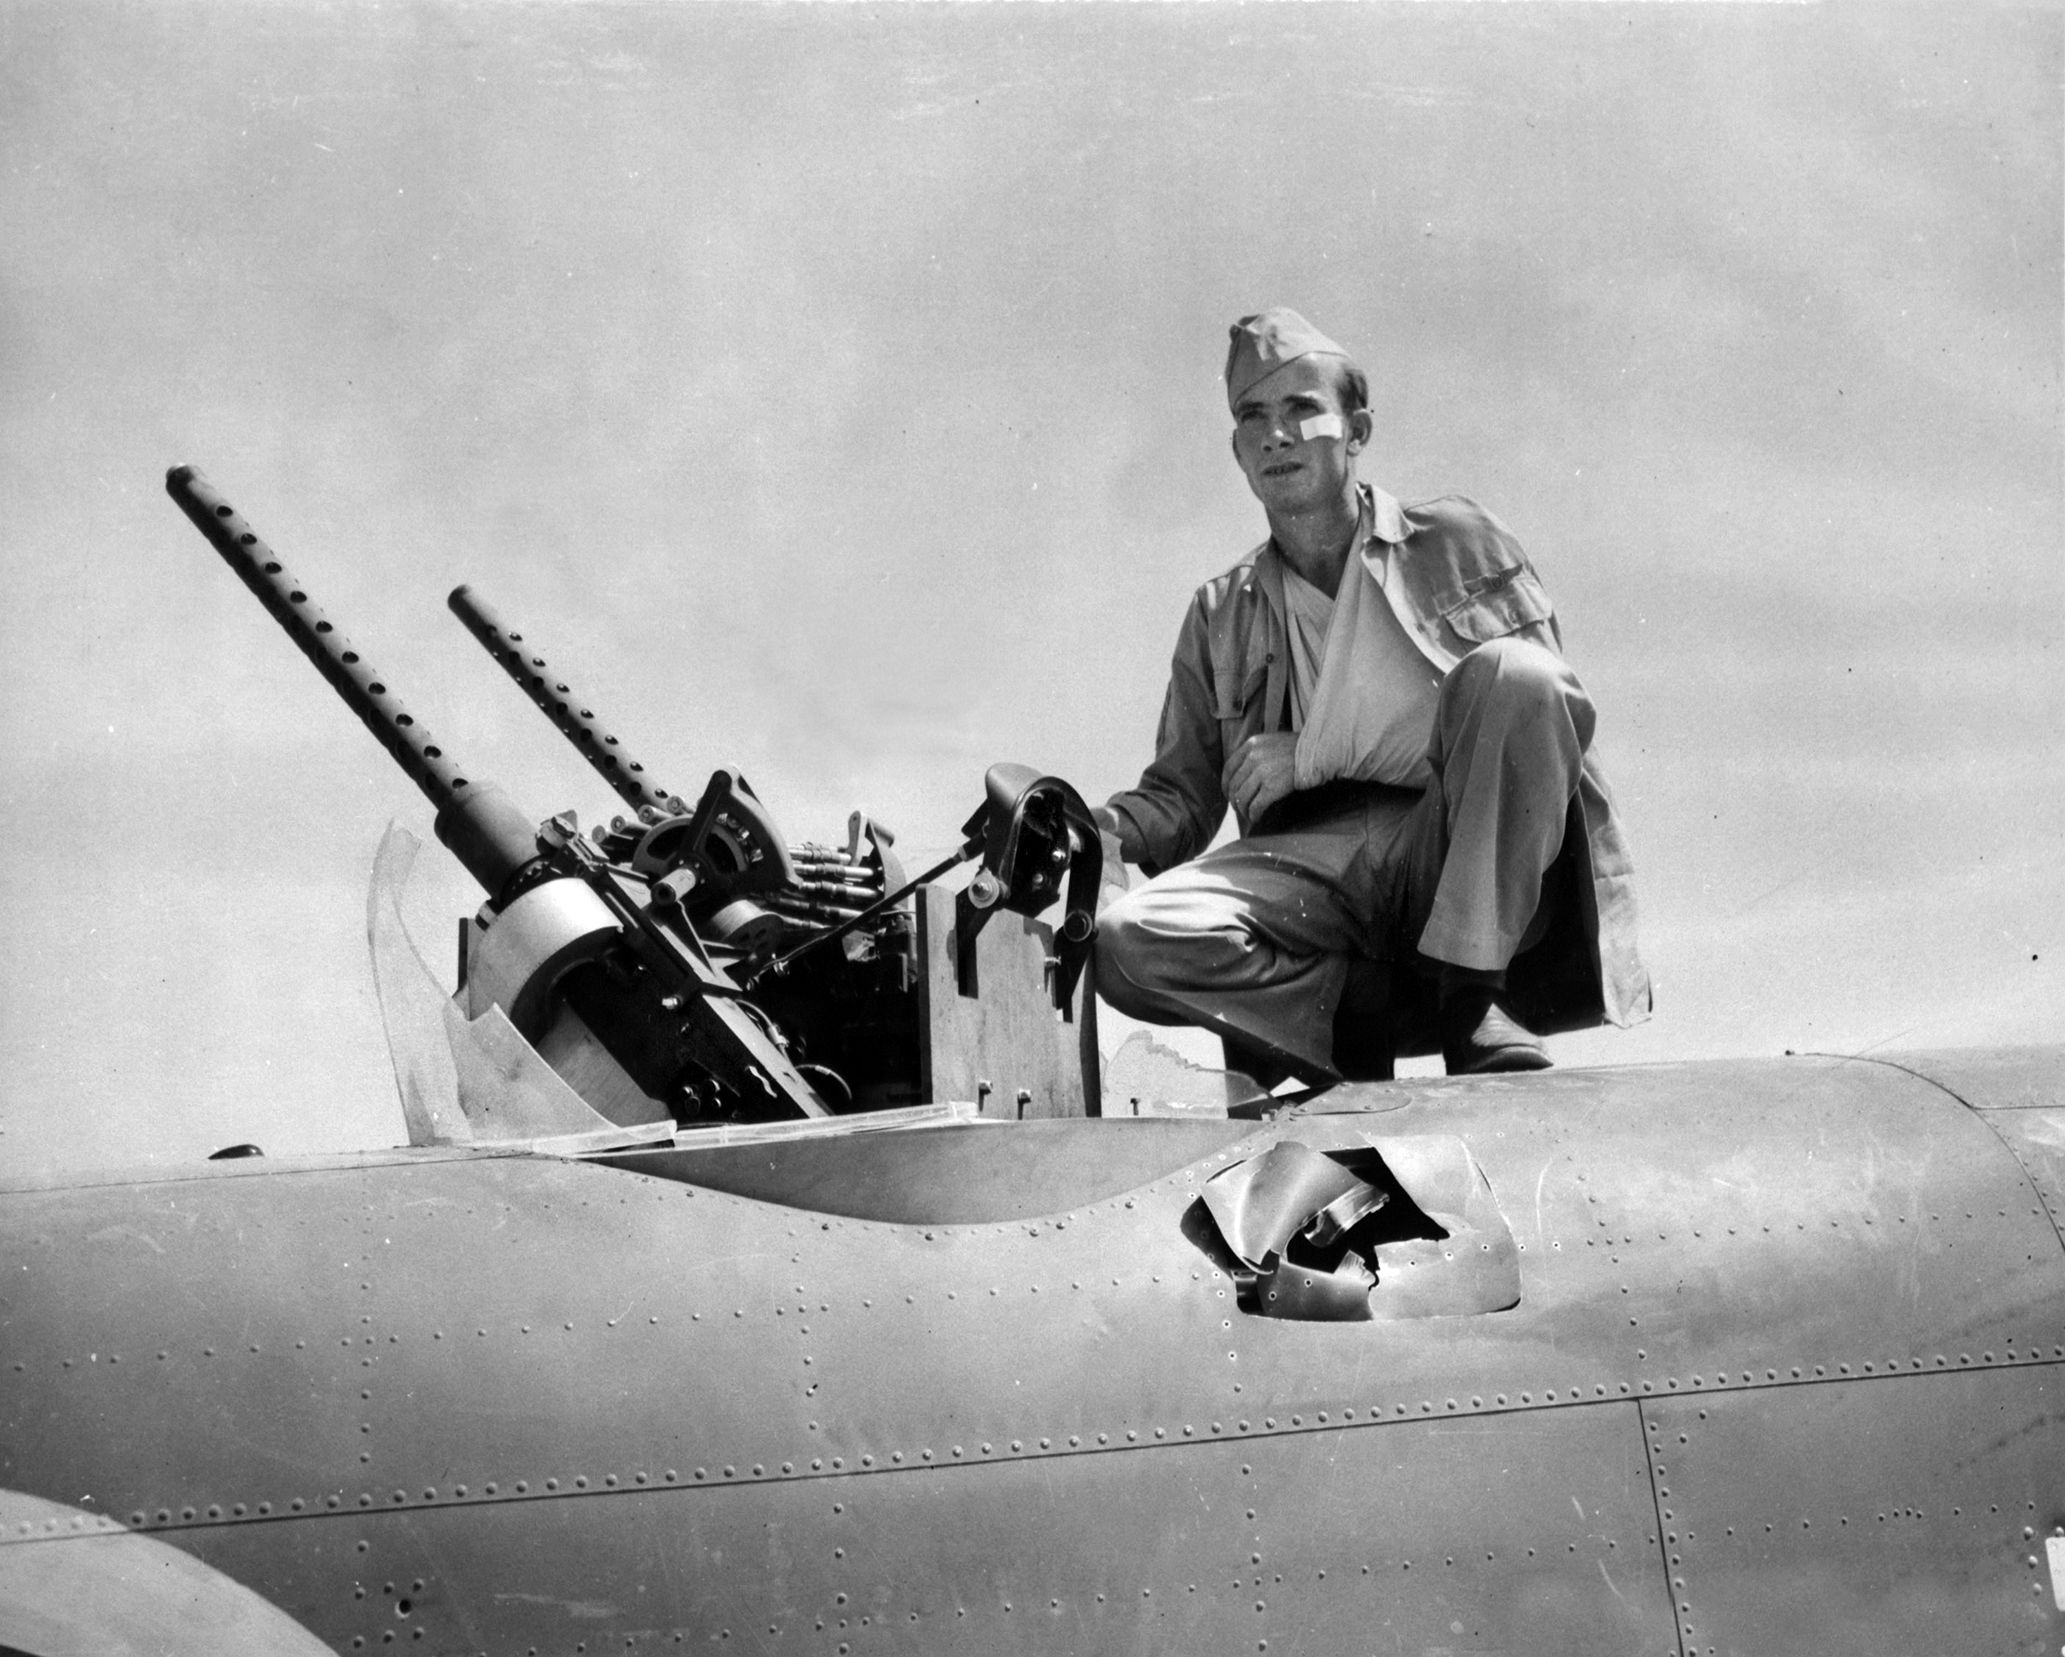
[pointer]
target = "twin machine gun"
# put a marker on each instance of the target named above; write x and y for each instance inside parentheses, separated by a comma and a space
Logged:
(685, 965)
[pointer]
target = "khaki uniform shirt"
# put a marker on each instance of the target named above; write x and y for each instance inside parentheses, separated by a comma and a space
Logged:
(1455, 578)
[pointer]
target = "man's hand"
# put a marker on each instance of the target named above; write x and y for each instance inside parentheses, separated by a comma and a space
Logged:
(1262, 771)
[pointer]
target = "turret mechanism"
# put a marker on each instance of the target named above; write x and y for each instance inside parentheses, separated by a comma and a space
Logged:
(686, 962)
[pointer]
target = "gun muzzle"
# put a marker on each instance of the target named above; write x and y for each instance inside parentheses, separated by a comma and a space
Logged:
(481, 825)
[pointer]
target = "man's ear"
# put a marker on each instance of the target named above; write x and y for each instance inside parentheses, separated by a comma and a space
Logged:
(1361, 428)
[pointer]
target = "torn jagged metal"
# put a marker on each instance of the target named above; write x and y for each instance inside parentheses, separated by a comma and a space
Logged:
(1473, 1268)
(1343, 1215)
(1288, 1192)
(1306, 1294)
(1294, 1218)
(1261, 1203)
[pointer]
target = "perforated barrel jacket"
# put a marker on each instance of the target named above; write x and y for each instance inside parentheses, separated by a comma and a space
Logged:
(1464, 581)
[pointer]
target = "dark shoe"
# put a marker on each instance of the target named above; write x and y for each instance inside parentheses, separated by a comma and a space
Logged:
(1480, 1038)
(1266, 1071)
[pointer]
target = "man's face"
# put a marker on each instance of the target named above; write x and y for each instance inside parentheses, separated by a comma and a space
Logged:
(1288, 470)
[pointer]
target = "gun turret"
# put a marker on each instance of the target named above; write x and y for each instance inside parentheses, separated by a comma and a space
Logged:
(596, 966)
(626, 956)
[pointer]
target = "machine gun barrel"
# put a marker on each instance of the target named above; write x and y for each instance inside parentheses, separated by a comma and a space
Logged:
(561, 704)
(480, 824)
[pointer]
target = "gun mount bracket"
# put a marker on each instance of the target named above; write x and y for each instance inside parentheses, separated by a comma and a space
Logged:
(1032, 831)
(729, 844)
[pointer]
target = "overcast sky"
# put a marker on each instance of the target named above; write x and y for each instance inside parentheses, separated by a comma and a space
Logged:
(834, 391)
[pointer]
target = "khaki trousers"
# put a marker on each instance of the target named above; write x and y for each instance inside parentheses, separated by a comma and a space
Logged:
(1254, 939)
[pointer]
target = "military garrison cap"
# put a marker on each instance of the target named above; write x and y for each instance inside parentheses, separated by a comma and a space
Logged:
(1264, 342)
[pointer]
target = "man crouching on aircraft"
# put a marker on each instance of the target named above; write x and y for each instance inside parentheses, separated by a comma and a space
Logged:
(1428, 853)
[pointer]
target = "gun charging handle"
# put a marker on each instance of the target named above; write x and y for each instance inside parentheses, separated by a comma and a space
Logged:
(480, 824)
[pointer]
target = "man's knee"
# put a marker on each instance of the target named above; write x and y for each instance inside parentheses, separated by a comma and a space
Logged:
(1512, 666)
(1169, 938)
(1519, 678)
(1125, 956)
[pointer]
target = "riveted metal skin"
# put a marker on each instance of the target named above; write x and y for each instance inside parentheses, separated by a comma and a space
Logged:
(75, 1581)
(573, 1407)
(1783, 1537)
(2020, 1092)
(2037, 1140)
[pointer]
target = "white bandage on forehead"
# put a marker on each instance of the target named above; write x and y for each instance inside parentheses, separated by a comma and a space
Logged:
(1320, 425)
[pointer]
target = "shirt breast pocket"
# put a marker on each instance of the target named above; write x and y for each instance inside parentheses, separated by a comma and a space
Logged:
(1492, 606)
(1237, 693)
